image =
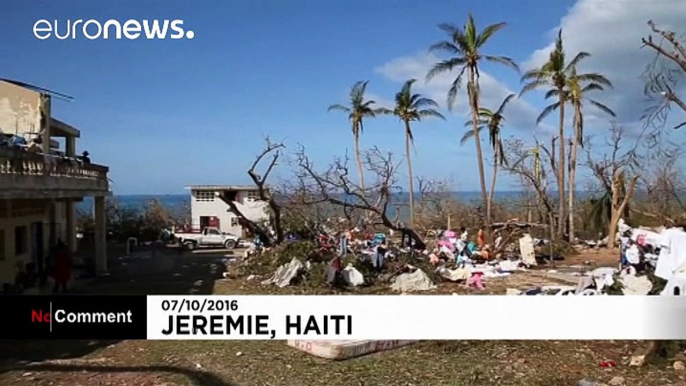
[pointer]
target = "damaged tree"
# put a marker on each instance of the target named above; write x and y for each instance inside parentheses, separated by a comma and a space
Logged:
(615, 172)
(272, 149)
(335, 186)
(526, 164)
(663, 73)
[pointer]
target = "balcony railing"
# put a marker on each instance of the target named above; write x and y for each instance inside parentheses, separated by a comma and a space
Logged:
(24, 171)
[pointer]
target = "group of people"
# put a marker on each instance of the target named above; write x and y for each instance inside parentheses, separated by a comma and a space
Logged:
(58, 267)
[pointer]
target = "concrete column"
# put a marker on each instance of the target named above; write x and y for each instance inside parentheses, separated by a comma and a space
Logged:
(71, 225)
(46, 110)
(70, 149)
(100, 237)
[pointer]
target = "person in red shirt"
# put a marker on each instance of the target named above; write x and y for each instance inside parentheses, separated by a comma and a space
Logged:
(61, 270)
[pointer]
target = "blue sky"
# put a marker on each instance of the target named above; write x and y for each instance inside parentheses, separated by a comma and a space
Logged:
(165, 114)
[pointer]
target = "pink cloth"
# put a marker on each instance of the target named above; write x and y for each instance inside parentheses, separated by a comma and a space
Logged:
(433, 259)
(449, 234)
(445, 243)
(641, 240)
(475, 280)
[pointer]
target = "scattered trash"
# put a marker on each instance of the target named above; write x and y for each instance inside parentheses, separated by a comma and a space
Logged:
(526, 248)
(679, 366)
(475, 281)
(635, 285)
(585, 382)
(239, 353)
(285, 274)
(637, 360)
(513, 291)
(415, 281)
(606, 364)
(459, 274)
(198, 366)
(616, 381)
(352, 276)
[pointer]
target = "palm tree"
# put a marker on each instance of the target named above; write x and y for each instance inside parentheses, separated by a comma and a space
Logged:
(358, 110)
(577, 87)
(493, 122)
(412, 107)
(554, 74)
(464, 45)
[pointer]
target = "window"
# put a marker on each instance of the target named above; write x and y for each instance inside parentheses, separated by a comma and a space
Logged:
(213, 232)
(20, 240)
(204, 196)
(253, 195)
(2, 245)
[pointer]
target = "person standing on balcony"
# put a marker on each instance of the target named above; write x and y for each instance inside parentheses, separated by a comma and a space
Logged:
(61, 269)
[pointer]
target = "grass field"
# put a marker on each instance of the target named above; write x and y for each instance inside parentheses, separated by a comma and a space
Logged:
(248, 363)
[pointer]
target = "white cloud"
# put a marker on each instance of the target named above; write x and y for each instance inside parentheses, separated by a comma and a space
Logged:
(611, 31)
(519, 113)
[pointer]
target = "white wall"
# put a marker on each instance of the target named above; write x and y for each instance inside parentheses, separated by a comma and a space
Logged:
(253, 210)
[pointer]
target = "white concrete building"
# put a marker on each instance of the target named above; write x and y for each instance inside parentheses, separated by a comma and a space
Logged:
(208, 210)
(41, 181)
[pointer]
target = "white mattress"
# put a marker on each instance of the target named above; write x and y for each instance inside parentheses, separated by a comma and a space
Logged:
(344, 349)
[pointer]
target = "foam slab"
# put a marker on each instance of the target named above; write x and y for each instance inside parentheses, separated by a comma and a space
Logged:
(344, 349)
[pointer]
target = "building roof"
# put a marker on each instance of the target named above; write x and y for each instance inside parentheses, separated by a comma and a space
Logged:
(61, 129)
(222, 187)
(36, 88)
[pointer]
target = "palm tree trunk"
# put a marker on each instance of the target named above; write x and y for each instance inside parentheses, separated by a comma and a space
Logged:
(473, 101)
(572, 167)
(409, 170)
(489, 206)
(561, 170)
(360, 172)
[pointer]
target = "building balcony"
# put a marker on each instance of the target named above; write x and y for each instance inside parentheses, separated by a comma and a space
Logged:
(31, 175)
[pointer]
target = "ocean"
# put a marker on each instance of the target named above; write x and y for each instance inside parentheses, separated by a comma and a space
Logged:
(178, 201)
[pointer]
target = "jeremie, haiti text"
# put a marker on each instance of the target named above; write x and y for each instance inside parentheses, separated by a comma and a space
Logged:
(257, 325)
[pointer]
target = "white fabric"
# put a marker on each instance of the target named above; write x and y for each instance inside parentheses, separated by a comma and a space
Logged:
(464, 237)
(633, 255)
(352, 276)
(635, 285)
(526, 248)
(672, 253)
(415, 281)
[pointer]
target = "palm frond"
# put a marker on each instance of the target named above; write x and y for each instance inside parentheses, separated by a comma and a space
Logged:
(538, 83)
(602, 107)
(469, 134)
(454, 88)
(595, 78)
(488, 32)
(502, 60)
(574, 62)
(546, 111)
(430, 113)
(445, 46)
(338, 107)
(504, 104)
(445, 66)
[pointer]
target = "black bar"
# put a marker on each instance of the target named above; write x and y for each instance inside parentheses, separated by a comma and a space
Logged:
(73, 317)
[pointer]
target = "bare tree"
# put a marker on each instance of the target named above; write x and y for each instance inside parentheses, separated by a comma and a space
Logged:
(265, 194)
(664, 73)
(616, 172)
(335, 186)
(436, 206)
(526, 163)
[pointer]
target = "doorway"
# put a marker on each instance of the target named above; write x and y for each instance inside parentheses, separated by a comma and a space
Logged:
(38, 246)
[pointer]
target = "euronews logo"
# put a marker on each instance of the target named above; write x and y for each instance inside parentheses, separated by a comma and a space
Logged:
(111, 29)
